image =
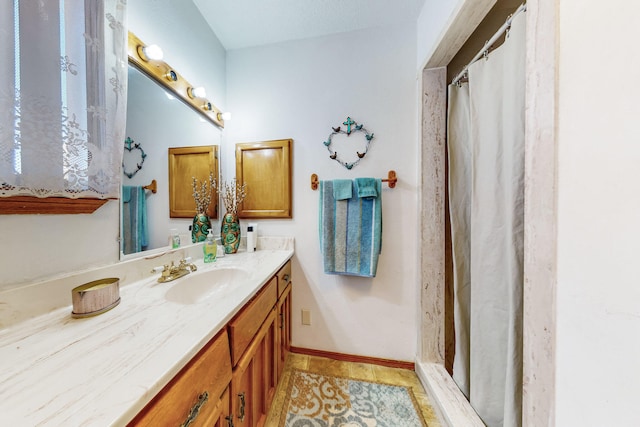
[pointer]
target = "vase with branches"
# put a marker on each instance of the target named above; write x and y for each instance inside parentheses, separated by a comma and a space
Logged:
(202, 194)
(233, 194)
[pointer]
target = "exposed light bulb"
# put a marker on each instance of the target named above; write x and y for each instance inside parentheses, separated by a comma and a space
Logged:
(199, 92)
(153, 52)
(226, 116)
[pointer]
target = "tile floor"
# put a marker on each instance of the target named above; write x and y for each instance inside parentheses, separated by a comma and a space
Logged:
(358, 371)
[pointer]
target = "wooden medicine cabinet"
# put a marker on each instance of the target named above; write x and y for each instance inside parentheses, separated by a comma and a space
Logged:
(265, 167)
(184, 164)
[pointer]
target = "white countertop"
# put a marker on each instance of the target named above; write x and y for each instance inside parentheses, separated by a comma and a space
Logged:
(102, 370)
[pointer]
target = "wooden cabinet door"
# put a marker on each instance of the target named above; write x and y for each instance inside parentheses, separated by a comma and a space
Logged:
(242, 386)
(265, 167)
(253, 379)
(270, 362)
(284, 330)
(221, 416)
(186, 163)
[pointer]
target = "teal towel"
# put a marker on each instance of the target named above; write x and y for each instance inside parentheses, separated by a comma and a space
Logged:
(366, 187)
(350, 232)
(342, 189)
(135, 234)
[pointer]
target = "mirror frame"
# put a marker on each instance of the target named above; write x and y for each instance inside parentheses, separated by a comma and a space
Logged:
(170, 79)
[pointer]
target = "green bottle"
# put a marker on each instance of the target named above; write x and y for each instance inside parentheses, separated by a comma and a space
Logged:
(209, 248)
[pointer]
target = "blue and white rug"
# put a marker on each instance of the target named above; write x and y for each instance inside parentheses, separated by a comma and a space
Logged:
(324, 401)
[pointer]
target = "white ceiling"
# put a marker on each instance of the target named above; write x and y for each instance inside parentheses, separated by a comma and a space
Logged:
(245, 23)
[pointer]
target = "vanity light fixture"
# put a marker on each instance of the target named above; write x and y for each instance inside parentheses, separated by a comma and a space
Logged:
(144, 57)
(171, 76)
(197, 92)
(151, 52)
(224, 116)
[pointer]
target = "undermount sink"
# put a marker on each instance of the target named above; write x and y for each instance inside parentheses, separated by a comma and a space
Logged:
(199, 287)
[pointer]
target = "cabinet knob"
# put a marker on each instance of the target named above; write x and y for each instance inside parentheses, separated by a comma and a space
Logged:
(285, 277)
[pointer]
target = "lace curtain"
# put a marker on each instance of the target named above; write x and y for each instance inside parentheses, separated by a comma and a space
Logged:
(63, 97)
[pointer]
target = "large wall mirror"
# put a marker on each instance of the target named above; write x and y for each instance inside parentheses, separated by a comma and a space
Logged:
(157, 119)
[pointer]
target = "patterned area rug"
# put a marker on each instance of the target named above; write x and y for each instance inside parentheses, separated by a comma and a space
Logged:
(324, 401)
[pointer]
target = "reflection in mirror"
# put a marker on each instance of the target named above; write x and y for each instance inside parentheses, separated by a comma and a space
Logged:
(156, 120)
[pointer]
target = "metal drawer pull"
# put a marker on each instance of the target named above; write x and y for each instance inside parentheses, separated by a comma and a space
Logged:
(242, 403)
(281, 320)
(229, 420)
(193, 414)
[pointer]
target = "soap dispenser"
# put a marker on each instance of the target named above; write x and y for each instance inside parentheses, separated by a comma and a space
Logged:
(209, 248)
(175, 238)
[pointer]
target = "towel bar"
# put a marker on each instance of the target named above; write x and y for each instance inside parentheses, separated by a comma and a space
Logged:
(391, 179)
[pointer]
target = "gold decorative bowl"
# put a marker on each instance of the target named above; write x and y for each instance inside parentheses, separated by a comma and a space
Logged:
(95, 297)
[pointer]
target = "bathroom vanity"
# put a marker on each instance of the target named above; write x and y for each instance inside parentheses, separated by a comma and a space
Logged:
(232, 380)
(212, 353)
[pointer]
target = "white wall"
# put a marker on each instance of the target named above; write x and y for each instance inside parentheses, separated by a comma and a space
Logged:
(432, 21)
(39, 246)
(300, 90)
(188, 43)
(42, 246)
(598, 294)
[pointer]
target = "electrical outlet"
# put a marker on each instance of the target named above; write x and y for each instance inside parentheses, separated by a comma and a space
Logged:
(306, 316)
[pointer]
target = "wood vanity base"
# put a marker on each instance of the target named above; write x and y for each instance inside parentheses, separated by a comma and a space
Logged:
(232, 380)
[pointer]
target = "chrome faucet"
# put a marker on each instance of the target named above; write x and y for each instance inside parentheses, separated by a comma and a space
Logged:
(173, 272)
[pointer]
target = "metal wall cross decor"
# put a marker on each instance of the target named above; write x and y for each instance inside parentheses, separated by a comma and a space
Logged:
(130, 145)
(352, 127)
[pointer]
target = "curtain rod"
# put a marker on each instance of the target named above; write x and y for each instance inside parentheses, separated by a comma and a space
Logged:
(490, 42)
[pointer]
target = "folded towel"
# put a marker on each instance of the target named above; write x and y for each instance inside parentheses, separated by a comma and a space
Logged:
(135, 235)
(342, 189)
(350, 232)
(366, 187)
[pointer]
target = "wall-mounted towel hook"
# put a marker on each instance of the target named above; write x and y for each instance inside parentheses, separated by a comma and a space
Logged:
(153, 186)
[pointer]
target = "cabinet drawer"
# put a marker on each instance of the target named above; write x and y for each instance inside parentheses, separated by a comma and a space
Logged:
(243, 328)
(284, 277)
(199, 384)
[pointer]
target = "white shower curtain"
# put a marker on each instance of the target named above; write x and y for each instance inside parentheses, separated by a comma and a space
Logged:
(486, 190)
(459, 145)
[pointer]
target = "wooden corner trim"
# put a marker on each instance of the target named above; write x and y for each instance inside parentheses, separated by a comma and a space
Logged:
(389, 363)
